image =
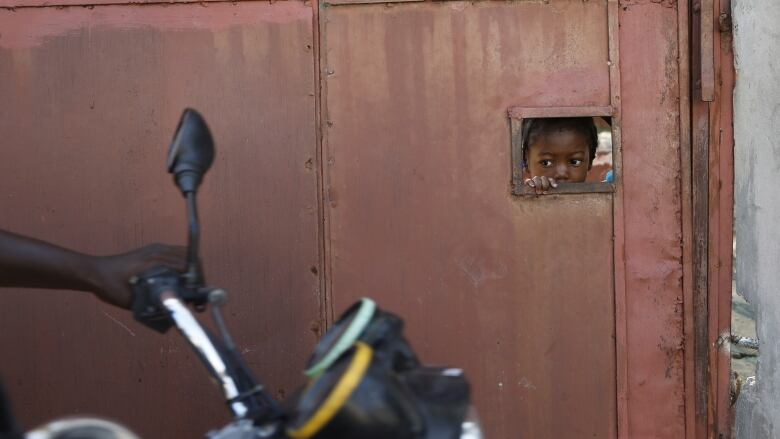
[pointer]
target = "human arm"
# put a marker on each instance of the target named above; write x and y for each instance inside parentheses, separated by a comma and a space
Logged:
(31, 263)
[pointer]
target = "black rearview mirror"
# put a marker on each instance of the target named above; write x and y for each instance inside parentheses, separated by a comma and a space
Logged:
(191, 152)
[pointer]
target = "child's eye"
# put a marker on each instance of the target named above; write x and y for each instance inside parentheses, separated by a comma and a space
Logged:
(546, 163)
(575, 162)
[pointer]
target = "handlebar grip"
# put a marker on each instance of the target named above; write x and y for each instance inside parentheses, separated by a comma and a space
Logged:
(147, 288)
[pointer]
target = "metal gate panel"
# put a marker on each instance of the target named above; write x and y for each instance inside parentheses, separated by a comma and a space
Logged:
(288, 9)
(420, 214)
(653, 218)
(89, 99)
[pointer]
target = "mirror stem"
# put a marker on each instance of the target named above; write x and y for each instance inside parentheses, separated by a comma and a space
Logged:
(193, 275)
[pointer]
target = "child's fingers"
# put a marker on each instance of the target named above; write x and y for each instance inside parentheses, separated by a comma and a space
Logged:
(541, 184)
(538, 182)
(534, 183)
(545, 184)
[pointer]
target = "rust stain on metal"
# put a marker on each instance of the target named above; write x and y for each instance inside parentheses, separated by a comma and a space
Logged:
(31, 27)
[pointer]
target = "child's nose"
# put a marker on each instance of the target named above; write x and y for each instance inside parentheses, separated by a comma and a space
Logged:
(561, 172)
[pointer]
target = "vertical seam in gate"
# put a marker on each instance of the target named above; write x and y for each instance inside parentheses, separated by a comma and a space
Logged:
(618, 221)
(322, 102)
(724, 87)
(720, 231)
(700, 236)
(683, 43)
(713, 243)
(713, 218)
(323, 297)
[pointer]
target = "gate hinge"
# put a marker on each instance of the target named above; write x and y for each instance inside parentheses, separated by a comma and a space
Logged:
(724, 22)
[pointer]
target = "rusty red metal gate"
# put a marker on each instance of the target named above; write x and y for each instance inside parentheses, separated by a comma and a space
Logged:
(364, 149)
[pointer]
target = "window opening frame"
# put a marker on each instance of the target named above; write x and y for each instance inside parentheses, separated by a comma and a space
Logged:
(518, 113)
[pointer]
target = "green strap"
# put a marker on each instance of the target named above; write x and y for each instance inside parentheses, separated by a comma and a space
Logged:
(355, 328)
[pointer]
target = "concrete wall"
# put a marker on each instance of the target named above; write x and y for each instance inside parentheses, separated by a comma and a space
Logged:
(757, 204)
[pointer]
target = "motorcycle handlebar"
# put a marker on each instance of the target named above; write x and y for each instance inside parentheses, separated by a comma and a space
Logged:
(204, 347)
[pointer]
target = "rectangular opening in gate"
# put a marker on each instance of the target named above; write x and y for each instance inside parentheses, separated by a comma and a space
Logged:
(566, 150)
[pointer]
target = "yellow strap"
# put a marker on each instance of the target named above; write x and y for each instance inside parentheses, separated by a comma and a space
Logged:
(339, 395)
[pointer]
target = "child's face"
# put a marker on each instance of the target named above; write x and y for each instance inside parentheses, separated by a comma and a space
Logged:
(561, 154)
